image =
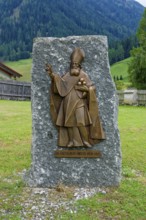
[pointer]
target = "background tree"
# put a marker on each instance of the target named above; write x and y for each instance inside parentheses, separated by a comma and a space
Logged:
(121, 77)
(23, 20)
(137, 66)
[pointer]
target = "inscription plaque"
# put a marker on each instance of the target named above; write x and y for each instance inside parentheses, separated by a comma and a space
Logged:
(77, 153)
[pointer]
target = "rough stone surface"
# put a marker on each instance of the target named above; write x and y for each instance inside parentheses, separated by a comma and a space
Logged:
(46, 170)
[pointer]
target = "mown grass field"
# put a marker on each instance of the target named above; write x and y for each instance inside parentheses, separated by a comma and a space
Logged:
(126, 202)
(24, 67)
(121, 69)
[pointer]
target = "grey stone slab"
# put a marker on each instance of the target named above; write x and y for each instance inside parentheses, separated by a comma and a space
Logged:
(46, 170)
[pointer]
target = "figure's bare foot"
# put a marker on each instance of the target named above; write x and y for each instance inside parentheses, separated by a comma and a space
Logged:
(70, 144)
(87, 144)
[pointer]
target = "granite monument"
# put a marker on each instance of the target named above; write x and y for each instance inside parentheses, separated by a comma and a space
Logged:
(46, 169)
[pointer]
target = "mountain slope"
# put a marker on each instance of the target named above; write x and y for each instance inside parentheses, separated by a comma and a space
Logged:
(22, 20)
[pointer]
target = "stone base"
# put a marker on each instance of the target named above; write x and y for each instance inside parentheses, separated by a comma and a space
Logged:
(47, 170)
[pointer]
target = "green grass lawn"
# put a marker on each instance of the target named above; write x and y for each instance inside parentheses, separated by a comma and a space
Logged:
(126, 202)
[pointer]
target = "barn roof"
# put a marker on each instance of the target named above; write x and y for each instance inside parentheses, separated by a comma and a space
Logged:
(9, 71)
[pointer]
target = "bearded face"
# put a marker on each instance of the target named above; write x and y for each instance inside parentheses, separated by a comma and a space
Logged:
(75, 69)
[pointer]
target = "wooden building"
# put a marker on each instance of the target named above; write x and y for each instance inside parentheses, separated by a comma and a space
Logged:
(8, 73)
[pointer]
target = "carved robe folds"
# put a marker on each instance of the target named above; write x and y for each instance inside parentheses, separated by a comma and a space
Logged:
(73, 107)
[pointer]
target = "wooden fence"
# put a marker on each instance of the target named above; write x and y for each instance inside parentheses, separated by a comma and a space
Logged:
(13, 90)
(141, 97)
(120, 96)
(132, 97)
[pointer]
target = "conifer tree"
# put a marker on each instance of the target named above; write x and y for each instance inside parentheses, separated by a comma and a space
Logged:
(121, 77)
(137, 66)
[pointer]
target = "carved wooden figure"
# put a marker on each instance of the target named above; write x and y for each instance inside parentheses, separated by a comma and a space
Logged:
(74, 106)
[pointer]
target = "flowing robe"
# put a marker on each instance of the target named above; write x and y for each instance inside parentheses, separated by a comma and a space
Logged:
(72, 108)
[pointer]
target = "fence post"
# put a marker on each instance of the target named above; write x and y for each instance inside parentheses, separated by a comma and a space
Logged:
(120, 94)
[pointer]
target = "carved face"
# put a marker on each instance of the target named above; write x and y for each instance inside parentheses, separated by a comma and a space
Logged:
(75, 69)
